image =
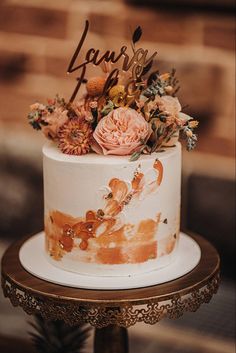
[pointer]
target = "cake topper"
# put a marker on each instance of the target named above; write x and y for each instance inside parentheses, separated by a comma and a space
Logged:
(136, 63)
(125, 111)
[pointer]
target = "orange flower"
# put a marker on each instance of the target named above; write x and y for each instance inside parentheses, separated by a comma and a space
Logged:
(75, 137)
(95, 86)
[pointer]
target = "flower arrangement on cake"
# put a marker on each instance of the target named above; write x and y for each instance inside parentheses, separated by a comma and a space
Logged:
(124, 112)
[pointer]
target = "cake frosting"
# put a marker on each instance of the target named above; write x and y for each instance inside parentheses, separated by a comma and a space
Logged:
(105, 215)
(112, 168)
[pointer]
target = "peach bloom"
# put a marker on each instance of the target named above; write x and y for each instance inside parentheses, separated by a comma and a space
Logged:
(37, 106)
(79, 107)
(169, 104)
(193, 124)
(121, 132)
(82, 109)
(54, 120)
(93, 104)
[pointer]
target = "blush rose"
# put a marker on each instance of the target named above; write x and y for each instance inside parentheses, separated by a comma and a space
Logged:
(121, 132)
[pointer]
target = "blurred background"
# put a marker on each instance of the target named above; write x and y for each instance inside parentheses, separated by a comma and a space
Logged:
(197, 37)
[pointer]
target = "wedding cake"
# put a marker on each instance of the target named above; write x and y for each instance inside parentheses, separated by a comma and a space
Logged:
(112, 167)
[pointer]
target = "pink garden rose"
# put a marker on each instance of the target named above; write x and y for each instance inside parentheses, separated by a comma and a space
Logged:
(121, 132)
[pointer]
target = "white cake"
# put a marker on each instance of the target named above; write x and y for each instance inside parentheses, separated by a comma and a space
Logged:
(112, 168)
(107, 216)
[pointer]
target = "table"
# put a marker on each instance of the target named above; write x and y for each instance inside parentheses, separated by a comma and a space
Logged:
(111, 312)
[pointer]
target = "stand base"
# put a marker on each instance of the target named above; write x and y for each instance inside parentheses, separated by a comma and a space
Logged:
(33, 259)
(111, 339)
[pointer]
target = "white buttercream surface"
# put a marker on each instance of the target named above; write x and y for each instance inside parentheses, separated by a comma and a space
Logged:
(51, 150)
(74, 185)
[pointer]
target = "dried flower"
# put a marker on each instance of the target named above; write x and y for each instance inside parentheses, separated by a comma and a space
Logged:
(132, 117)
(159, 85)
(189, 133)
(168, 89)
(191, 142)
(54, 121)
(95, 86)
(48, 117)
(169, 104)
(37, 106)
(165, 76)
(93, 105)
(80, 109)
(193, 124)
(75, 137)
(117, 90)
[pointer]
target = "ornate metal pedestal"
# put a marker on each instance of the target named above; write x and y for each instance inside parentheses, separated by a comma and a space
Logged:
(111, 312)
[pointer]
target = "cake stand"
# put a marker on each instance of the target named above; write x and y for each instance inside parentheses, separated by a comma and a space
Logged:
(111, 312)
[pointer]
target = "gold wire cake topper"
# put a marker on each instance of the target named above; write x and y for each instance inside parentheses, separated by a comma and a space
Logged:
(136, 64)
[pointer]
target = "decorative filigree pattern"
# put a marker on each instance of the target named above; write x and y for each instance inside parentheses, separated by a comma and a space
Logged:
(101, 315)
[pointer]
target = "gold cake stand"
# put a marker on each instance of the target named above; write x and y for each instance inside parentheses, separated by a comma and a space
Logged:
(111, 312)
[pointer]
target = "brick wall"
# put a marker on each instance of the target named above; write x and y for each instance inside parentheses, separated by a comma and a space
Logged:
(38, 37)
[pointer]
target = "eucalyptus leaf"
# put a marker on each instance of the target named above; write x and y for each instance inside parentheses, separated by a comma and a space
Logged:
(135, 156)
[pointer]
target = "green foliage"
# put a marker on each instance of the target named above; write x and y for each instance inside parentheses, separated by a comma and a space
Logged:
(158, 86)
(35, 120)
(135, 156)
(107, 108)
(191, 142)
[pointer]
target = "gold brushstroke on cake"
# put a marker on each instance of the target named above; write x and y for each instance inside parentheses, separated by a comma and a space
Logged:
(101, 234)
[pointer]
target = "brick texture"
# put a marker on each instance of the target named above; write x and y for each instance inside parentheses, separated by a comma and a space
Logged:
(220, 34)
(34, 21)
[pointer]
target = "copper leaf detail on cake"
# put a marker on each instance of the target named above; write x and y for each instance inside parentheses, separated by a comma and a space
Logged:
(105, 234)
